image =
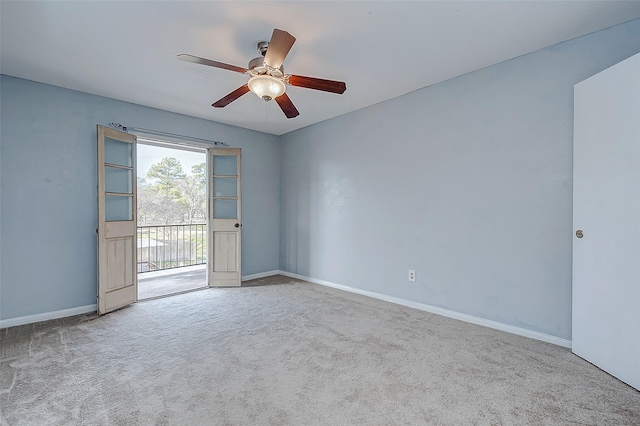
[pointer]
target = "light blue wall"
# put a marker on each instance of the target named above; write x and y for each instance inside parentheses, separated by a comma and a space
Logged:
(48, 191)
(469, 182)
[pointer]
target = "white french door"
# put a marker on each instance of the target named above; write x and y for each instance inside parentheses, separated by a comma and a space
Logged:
(225, 217)
(117, 218)
(606, 217)
(117, 274)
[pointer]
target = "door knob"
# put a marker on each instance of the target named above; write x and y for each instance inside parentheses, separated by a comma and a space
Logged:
(237, 225)
(579, 233)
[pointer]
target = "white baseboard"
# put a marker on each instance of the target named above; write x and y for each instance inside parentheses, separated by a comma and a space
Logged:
(440, 311)
(29, 319)
(260, 275)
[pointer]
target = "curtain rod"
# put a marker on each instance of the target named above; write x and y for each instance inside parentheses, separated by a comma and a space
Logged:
(167, 135)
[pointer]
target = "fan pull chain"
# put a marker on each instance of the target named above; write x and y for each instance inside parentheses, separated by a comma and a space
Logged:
(267, 111)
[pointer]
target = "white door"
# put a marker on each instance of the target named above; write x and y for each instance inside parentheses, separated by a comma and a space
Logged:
(225, 217)
(606, 213)
(117, 278)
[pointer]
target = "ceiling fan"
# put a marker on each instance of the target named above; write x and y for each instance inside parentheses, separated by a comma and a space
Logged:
(267, 78)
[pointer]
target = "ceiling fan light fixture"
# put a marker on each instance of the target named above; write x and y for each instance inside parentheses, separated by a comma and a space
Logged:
(266, 87)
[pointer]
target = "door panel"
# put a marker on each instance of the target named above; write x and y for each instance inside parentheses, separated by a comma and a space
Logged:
(117, 279)
(606, 208)
(225, 208)
(224, 244)
(120, 228)
(118, 255)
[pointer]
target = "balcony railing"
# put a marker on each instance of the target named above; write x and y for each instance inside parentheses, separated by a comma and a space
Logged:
(171, 246)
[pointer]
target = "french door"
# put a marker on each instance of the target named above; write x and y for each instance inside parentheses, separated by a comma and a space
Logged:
(117, 272)
(117, 218)
(225, 217)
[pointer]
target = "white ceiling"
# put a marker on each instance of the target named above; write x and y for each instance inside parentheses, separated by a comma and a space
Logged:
(127, 50)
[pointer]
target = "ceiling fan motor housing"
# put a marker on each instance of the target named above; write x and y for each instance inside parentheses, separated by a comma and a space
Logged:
(257, 67)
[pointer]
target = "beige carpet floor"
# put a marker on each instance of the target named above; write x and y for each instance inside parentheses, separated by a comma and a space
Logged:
(294, 353)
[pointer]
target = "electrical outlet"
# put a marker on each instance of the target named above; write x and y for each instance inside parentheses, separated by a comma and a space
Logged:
(412, 275)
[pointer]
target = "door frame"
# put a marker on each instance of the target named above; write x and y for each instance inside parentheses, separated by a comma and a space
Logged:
(198, 148)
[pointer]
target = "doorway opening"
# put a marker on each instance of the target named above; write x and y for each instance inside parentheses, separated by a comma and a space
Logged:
(171, 218)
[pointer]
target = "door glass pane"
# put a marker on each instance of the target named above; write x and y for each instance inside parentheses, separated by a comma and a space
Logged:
(225, 165)
(117, 152)
(117, 180)
(117, 208)
(225, 187)
(225, 209)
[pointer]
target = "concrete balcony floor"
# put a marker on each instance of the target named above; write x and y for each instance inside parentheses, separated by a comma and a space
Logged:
(171, 281)
(188, 278)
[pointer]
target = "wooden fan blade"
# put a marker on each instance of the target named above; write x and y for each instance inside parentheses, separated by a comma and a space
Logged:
(231, 97)
(209, 62)
(287, 106)
(279, 46)
(318, 84)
